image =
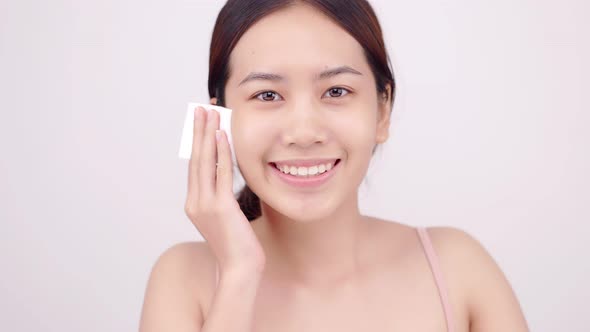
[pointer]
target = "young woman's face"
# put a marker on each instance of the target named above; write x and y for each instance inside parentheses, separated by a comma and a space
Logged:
(302, 116)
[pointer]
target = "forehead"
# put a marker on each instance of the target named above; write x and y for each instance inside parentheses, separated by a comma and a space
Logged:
(296, 38)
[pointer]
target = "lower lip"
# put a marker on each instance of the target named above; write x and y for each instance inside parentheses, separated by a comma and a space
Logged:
(306, 182)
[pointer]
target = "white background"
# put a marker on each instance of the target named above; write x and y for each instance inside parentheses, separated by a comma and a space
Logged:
(490, 134)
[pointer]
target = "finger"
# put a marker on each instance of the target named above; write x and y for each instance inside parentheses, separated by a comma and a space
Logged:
(208, 157)
(224, 166)
(193, 168)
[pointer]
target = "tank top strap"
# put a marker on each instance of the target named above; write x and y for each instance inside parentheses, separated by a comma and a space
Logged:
(438, 276)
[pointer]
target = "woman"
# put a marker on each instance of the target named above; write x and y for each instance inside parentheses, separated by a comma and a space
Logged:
(312, 92)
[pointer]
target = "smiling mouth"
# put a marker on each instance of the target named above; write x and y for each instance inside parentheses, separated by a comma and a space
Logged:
(305, 176)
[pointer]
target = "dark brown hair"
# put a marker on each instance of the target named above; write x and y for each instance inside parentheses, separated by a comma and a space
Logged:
(355, 16)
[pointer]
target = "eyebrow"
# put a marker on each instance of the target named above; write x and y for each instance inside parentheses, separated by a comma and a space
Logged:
(323, 75)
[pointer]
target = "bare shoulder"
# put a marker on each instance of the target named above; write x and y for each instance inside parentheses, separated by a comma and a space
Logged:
(175, 287)
(471, 270)
(187, 256)
(187, 262)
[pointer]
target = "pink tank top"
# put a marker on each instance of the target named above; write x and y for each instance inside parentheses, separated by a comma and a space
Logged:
(436, 272)
(438, 277)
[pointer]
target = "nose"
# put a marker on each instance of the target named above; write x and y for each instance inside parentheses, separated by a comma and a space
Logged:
(305, 125)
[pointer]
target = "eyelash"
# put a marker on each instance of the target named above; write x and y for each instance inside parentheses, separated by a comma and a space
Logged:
(336, 87)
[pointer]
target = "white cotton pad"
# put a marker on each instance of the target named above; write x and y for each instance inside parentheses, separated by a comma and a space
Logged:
(186, 142)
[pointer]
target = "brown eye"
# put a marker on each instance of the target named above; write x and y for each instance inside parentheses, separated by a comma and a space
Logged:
(337, 92)
(266, 96)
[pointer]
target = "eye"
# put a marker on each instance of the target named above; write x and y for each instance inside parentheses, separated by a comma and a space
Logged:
(266, 96)
(337, 92)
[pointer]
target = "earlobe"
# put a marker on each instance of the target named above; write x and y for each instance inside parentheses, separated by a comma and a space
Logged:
(382, 137)
(383, 125)
(213, 101)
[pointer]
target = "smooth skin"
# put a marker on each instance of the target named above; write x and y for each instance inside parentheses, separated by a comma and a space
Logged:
(312, 261)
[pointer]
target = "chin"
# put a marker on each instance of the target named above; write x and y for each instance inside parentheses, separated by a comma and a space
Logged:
(304, 211)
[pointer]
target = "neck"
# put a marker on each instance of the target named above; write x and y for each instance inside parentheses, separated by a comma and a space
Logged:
(313, 252)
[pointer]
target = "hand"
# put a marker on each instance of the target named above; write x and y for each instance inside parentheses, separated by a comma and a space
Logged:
(211, 205)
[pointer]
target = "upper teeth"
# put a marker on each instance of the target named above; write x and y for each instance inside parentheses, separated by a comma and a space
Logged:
(303, 171)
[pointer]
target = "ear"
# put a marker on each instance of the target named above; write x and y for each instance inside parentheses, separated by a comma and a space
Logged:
(213, 101)
(383, 116)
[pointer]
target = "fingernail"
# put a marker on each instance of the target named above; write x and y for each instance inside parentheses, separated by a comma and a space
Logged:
(199, 113)
(217, 134)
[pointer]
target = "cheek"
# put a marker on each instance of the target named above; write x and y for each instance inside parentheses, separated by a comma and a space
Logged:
(250, 135)
(353, 128)
(357, 131)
